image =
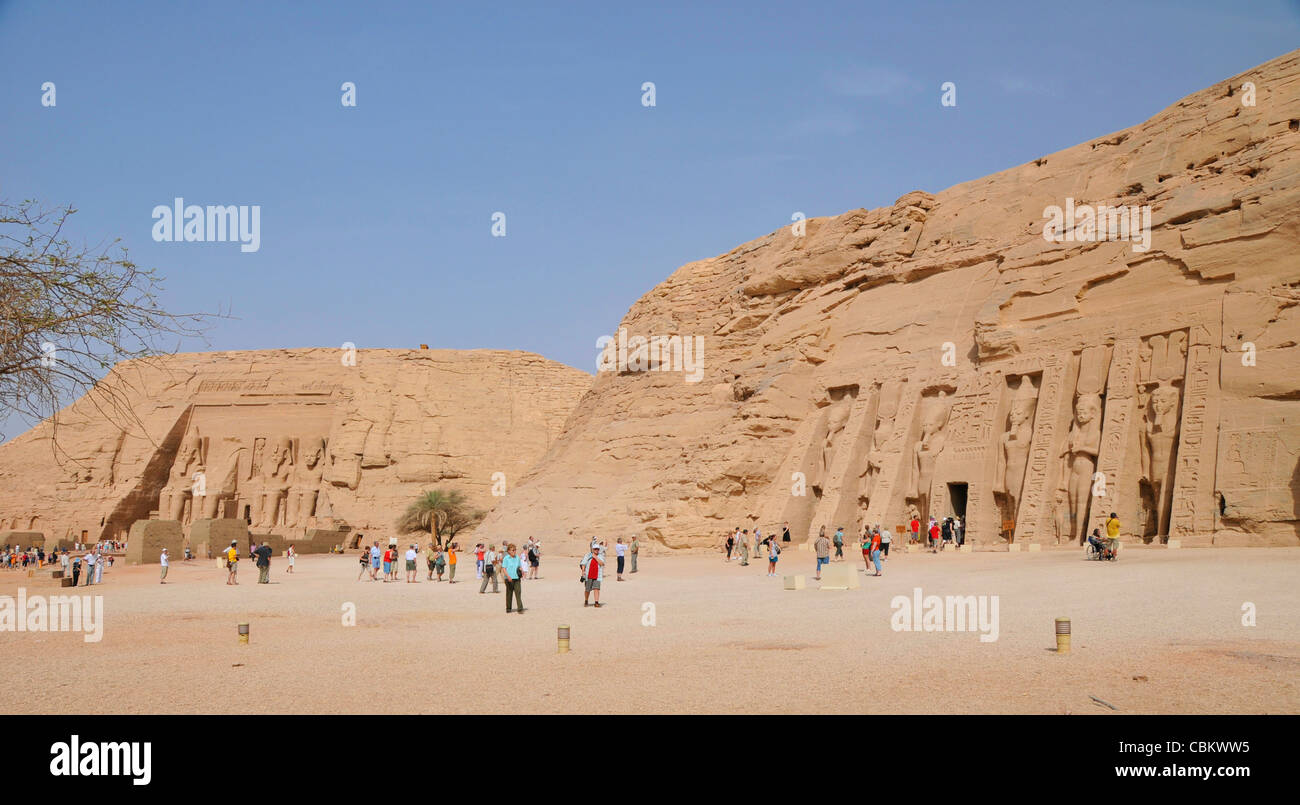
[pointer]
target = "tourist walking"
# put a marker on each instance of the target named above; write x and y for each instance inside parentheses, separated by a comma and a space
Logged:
(510, 567)
(593, 569)
(292, 556)
(374, 561)
(839, 543)
(620, 551)
(232, 563)
(934, 536)
(866, 547)
(773, 553)
(411, 555)
(535, 558)
(634, 549)
(490, 570)
(264, 564)
(731, 542)
(162, 560)
(451, 563)
(478, 561)
(885, 538)
(363, 559)
(823, 548)
(744, 548)
(76, 569)
(915, 530)
(875, 548)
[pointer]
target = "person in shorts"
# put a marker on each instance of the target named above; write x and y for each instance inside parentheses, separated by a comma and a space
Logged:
(593, 568)
(411, 554)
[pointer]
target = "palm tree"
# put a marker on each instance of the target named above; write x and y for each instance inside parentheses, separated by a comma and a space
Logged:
(439, 513)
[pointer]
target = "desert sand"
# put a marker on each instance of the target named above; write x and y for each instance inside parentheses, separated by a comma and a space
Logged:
(1159, 631)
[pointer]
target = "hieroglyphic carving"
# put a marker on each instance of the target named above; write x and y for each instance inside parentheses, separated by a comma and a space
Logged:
(1115, 461)
(1035, 510)
(1194, 476)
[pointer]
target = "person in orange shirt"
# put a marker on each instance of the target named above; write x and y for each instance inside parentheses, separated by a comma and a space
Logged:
(451, 563)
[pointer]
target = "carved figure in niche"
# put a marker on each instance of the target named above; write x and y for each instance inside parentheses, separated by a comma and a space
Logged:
(304, 488)
(1079, 461)
(836, 419)
(1161, 434)
(927, 450)
(1061, 516)
(274, 483)
(1013, 457)
(222, 486)
(180, 482)
(886, 412)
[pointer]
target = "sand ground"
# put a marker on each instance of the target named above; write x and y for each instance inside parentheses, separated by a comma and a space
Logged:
(1158, 632)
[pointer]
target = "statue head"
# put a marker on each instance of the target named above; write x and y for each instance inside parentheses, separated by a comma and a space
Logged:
(314, 453)
(1164, 400)
(1086, 408)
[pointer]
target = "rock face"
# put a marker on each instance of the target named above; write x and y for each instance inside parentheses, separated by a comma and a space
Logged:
(293, 441)
(1113, 327)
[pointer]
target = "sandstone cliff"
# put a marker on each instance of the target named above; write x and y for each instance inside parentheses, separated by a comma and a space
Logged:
(944, 355)
(290, 439)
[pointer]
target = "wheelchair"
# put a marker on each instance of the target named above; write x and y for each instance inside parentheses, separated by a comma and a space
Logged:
(1108, 553)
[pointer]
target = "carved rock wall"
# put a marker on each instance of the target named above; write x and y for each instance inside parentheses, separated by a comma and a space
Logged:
(290, 439)
(960, 294)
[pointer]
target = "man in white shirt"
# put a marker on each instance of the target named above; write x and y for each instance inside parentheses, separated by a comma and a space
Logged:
(411, 555)
(90, 568)
(489, 570)
(163, 561)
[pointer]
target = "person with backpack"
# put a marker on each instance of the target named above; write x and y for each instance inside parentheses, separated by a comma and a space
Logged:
(264, 564)
(773, 553)
(490, 572)
(839, 544)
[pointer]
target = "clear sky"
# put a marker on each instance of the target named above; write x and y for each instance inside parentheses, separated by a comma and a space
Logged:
(376, 221)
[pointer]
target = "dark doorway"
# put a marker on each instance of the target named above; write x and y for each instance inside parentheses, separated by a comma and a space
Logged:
(957, 499)
(248, 517)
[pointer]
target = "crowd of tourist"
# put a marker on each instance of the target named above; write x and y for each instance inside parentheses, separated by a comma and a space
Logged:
(82, 564)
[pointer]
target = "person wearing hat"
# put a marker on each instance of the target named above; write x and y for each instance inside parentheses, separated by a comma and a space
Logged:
(232, 563)
(163, 560)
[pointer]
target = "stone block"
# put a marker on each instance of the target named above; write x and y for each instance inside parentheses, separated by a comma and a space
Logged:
(1034, 547)
(217, 535)
(840, 576)
(796, 582)
(966, 549)
(1013, 548)
(23, 539)
(147, 538)
(67, 582)
(1174, 543)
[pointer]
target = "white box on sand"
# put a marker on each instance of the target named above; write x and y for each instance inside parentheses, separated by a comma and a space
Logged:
(840, 576)
(1174, 543)
(1013, 548)
(794, 582)
(1034, 547)
(966, 549)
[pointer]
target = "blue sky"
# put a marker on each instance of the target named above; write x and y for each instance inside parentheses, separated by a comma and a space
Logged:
(376, 220)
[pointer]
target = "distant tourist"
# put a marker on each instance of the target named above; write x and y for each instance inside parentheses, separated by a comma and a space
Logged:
(90, 567)
(524, 564)
(489, 570)
(291, 555)
(411, 555)
(364, 559)
(163, 561)
(76, 569)
(430, 555)
(731, 543)
(823, 548)
(1112, 526)
(620, 551)
(773, 553)
(451, 563)
(510, 569)
(885, 538)
(915, 527)
(264, 564)
(946, 531)
(785, 532)
(478, 560)
(744, 548)
(63, 562)
(232, 563)
(535, 558)
(440, 563)
(593, 568)
(634, 549)
(1094, 539)
(839, 543)
(934, 536)
(875, 548)
(866, 547)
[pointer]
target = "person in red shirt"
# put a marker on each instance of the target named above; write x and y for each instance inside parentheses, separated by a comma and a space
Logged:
(478, 561)
(916, 530)
(934, 536)
(875, 548)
